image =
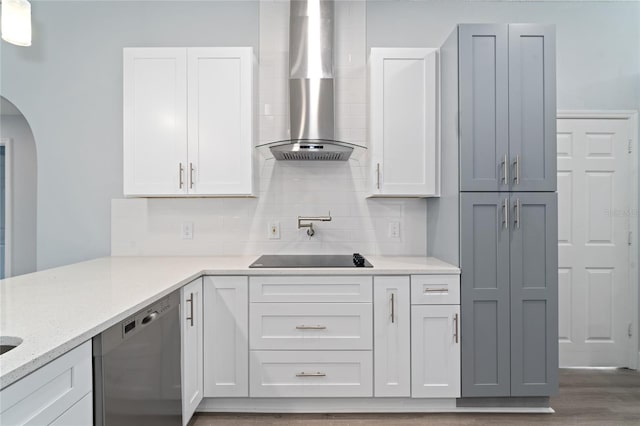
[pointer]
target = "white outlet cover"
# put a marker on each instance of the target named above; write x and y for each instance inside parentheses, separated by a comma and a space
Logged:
(394, 229)
(187, 231)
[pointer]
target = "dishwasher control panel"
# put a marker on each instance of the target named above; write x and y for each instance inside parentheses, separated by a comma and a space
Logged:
(143, 318)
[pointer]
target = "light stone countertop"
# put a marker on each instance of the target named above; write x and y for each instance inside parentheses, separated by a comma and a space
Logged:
(55, 310)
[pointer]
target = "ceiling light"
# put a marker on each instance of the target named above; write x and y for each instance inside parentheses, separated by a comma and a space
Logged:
(16, 22)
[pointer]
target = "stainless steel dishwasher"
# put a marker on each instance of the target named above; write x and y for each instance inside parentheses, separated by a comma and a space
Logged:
(136, 368)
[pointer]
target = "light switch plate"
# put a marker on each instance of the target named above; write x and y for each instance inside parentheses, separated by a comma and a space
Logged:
(274, 230)
(394, 229)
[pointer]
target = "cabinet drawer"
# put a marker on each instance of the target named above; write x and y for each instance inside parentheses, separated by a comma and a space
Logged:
(311, 374)
(435, 289)
(322, 326)
(310, 289)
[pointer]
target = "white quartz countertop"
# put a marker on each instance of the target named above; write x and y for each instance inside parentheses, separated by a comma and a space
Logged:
(55, 310)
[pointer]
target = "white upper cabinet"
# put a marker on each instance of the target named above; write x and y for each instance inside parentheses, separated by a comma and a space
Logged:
(404, 130)
(155, 121)
(188, 121)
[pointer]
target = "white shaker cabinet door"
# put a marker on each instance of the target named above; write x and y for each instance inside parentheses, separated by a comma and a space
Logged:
(404, 122)
(155, 121)
(392, 345)
(220, 129)
(226, 341)
(192, 350)
(435, 351)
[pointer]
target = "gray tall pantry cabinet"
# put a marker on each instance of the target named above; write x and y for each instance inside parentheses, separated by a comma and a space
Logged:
(499, 175)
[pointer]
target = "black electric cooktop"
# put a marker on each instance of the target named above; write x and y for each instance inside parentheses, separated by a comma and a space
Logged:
(311, 261)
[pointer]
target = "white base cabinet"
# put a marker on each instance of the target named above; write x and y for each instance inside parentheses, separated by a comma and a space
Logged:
(435, 351)
(59, 393)
(192, 350)
(226, 342)
(392, 349)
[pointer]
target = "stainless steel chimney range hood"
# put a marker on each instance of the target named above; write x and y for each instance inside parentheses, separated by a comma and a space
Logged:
(311, 87)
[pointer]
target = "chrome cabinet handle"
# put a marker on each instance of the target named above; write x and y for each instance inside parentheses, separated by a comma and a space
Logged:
(190, 317)
(316, 374)
(516, 164)
(435, 290)
(378, 175)
(393, 308)
(180, 173)
(191, 175)
(311, 327)
(455, 328)
(516, 219)
(505, 170)
(505, 213)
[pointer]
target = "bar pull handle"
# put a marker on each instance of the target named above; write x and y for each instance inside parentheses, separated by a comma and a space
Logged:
(516, 219)
(435, 290)
(191, 175)
(190, 317)
(311, 327)
(505, 213)
(180, 175)
(393, 308)
(316, 374)
(378, 175)
(516, 164)
(505, 170)
(455, 328)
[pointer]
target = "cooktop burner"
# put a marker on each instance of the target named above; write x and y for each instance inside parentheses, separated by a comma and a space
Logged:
(311, 261)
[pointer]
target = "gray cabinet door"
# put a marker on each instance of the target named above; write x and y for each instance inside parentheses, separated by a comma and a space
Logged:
(484, 264)
(484, 107)
(534, 294)
(532, 107)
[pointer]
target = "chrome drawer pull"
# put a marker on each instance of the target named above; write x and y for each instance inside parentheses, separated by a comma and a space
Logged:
(303, 374)
(455, 332)
(311, 327)
(436, 290)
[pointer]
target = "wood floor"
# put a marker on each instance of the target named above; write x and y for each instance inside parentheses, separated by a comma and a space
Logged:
(587, 397)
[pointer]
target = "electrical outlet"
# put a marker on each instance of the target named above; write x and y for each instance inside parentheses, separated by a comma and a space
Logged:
(187, 230)
(274, 230)
(394, 229)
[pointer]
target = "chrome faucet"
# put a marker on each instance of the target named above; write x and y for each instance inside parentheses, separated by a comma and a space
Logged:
(310, 231)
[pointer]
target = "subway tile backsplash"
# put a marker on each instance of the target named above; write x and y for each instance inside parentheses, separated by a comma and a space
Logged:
(240, 226)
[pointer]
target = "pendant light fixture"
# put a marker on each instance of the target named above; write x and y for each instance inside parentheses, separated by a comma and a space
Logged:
(16, 22)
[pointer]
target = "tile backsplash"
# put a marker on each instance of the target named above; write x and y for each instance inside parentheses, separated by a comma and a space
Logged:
(240, 226)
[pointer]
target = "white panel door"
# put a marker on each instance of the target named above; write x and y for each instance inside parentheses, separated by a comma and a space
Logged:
(392, 342)
(155, 121)
(192, 350)
(593, 216)
(220, 120)
(226, 341)
(435, 351)
(404, 117)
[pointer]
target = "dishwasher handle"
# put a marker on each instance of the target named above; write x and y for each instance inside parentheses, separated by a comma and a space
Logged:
(152, 316)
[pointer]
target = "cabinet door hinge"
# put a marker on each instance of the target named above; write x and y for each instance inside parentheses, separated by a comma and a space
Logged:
(629, 238)
(630, 330)
(629, 146)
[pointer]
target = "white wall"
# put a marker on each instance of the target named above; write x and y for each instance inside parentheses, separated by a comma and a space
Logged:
(68, 85)
(598, 43)
(23, 181)
(287, 189)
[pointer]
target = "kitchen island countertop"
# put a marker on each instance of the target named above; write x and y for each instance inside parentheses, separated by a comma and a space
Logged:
(55, 310)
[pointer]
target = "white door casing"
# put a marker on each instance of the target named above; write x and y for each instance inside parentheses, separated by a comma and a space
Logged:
(597, 298)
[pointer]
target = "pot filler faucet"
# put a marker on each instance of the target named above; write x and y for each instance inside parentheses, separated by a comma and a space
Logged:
(310, 220)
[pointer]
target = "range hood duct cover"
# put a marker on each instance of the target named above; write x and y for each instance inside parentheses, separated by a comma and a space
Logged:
(311, 86)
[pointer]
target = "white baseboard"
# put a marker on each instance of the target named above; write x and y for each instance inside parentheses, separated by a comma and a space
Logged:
(351, 405)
